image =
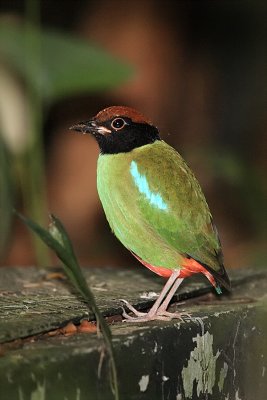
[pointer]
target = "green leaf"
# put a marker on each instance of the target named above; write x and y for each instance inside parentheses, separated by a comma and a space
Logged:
(58, 240)
(57, 65)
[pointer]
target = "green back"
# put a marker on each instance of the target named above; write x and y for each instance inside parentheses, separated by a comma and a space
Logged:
(156, 207)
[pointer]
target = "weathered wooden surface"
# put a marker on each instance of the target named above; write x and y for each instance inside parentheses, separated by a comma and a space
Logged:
(221, 353)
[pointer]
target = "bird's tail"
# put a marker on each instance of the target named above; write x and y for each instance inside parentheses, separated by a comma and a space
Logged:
(217, 278)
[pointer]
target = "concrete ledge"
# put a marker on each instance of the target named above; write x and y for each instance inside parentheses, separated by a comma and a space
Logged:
(220, 353)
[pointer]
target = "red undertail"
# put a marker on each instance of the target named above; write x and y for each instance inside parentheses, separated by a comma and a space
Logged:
(189, 267)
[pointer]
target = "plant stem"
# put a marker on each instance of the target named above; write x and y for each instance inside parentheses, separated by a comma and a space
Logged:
(33, 185)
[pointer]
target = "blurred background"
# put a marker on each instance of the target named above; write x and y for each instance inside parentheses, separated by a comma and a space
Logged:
(197, 69)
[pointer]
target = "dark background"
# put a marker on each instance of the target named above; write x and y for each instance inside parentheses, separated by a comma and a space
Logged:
(200, 76)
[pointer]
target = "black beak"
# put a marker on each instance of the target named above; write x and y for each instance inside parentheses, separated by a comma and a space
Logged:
(85, 127)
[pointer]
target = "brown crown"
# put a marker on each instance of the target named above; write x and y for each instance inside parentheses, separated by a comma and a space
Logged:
(121, 111)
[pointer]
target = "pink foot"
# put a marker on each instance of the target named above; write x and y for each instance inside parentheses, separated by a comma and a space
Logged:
(159, 315)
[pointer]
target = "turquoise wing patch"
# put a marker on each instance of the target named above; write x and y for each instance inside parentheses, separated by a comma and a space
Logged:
(155, 199)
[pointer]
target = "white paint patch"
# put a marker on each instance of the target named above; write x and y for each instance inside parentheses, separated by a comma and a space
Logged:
(33, 377)
(155, 347)
(237, 395)
(263, 371)
(143, 383)
(9, 378)
(78, 351)
(78, 394)
(179, 397)
(165, 378)
(223, 374)
(201, 366)
(128, 342)
(148, 295)
(38, 394)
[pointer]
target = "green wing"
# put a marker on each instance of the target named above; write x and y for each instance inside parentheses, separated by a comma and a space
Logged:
(156, 207)
(172, 201)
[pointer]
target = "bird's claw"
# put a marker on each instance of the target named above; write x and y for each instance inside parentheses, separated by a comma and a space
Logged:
(173, 315)
(160, 315)
(132, 309)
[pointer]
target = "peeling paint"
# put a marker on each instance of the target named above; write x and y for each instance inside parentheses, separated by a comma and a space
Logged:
(165, 378)
(143, 383)
(78, 352)
(148, 295)
(33, 377)
(129, 341)
(155, 347)
(223, 374)
(37, 394)
(237, 395)
(78, 394)
(201, 366)
(9, 377)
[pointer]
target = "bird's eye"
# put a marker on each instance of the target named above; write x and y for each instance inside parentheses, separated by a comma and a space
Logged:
(118, 123)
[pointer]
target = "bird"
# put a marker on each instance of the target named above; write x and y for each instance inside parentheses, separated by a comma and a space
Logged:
(154, 205)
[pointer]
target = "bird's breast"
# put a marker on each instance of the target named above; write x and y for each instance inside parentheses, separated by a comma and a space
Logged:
(131, 201)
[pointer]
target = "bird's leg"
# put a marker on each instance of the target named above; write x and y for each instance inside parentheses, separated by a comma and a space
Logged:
(165, 290)
(162, 310)
(163, 307)
(157, 311)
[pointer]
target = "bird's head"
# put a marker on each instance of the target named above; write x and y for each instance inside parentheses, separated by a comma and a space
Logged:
(119, 130)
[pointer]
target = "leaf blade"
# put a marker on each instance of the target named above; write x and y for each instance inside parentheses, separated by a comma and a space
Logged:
(59, 242)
